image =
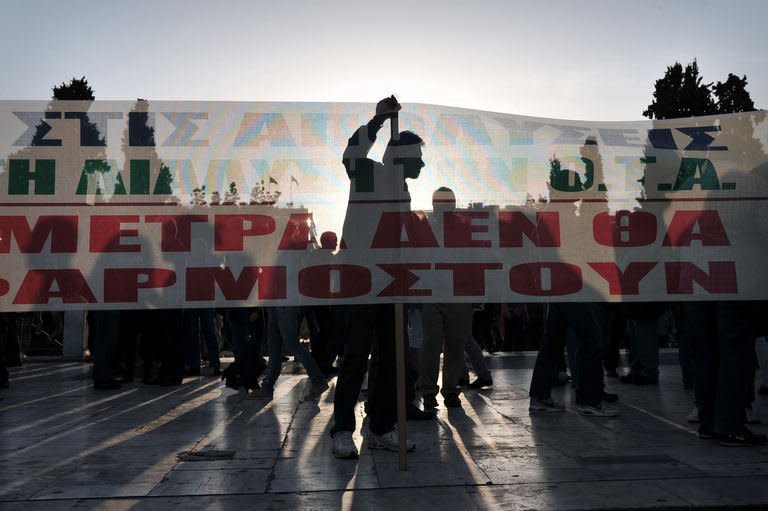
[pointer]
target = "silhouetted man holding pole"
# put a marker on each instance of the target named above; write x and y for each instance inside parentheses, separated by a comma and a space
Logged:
(375, 187)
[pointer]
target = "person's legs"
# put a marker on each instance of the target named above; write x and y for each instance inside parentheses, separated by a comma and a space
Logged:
(3, 340)
(208, 329)
(481, 327)
(570, 350)
(736, 346)
(252, 364)
(700, 326)
(191, 343)
(275, 343)
(586, 322)
(614, 327)
(357, 348)
(168, 325)
(288, 322)
(338, 326)
(545, 370)
(514, 326)
(645, 350)
(127, 343)
(762, 361)
(430, 350)
(236, 330)
(383, 398)
(686, 353)
(476, 358)
(150, 351)
(106, 331)
(13, 341)
(457, 318)
(413, 353)
(319, 320)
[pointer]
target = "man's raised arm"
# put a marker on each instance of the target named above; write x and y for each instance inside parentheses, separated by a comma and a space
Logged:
(360, 143)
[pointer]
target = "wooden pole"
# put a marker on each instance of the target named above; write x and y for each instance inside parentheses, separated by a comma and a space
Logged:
(402, 434)
(394, 128)
(401, 418)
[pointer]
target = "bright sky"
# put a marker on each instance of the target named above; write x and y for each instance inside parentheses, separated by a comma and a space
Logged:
(593, 60)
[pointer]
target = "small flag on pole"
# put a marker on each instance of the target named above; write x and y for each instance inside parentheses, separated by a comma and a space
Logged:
(272, 180)
(294, 180)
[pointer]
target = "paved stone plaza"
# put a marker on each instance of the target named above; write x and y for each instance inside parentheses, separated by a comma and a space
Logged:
(64, 445)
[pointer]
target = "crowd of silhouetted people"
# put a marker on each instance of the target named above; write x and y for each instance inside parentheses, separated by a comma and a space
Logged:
(580, 346)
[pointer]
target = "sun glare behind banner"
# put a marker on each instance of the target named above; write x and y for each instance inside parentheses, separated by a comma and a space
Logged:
(198, 204)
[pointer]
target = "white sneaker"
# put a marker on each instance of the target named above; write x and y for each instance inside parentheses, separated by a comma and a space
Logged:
(693, 417)
(343, 446)
(597, 411)
(388, 441)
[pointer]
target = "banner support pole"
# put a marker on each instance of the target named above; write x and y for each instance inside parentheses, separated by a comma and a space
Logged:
(402, 434)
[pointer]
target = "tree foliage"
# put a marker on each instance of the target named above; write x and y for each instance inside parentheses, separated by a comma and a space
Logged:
(681, 93)
(77, 88)
(732, 95)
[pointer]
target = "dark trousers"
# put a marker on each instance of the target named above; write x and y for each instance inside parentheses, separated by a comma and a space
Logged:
(284, 324)
(19, 331)
(582, 327)
(686, 352)
(130, 327)
(612, 357)
(106, 326)
(644, 347)
(4, 332)
(246, 347)
(724, 353)
(163, 334)
(370, 328)
(326, 334)
(197, 321)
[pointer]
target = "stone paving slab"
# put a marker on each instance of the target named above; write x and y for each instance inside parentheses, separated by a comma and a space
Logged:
(65, 446)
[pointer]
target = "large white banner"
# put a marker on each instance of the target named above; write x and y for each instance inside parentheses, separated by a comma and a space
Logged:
(200, 204)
